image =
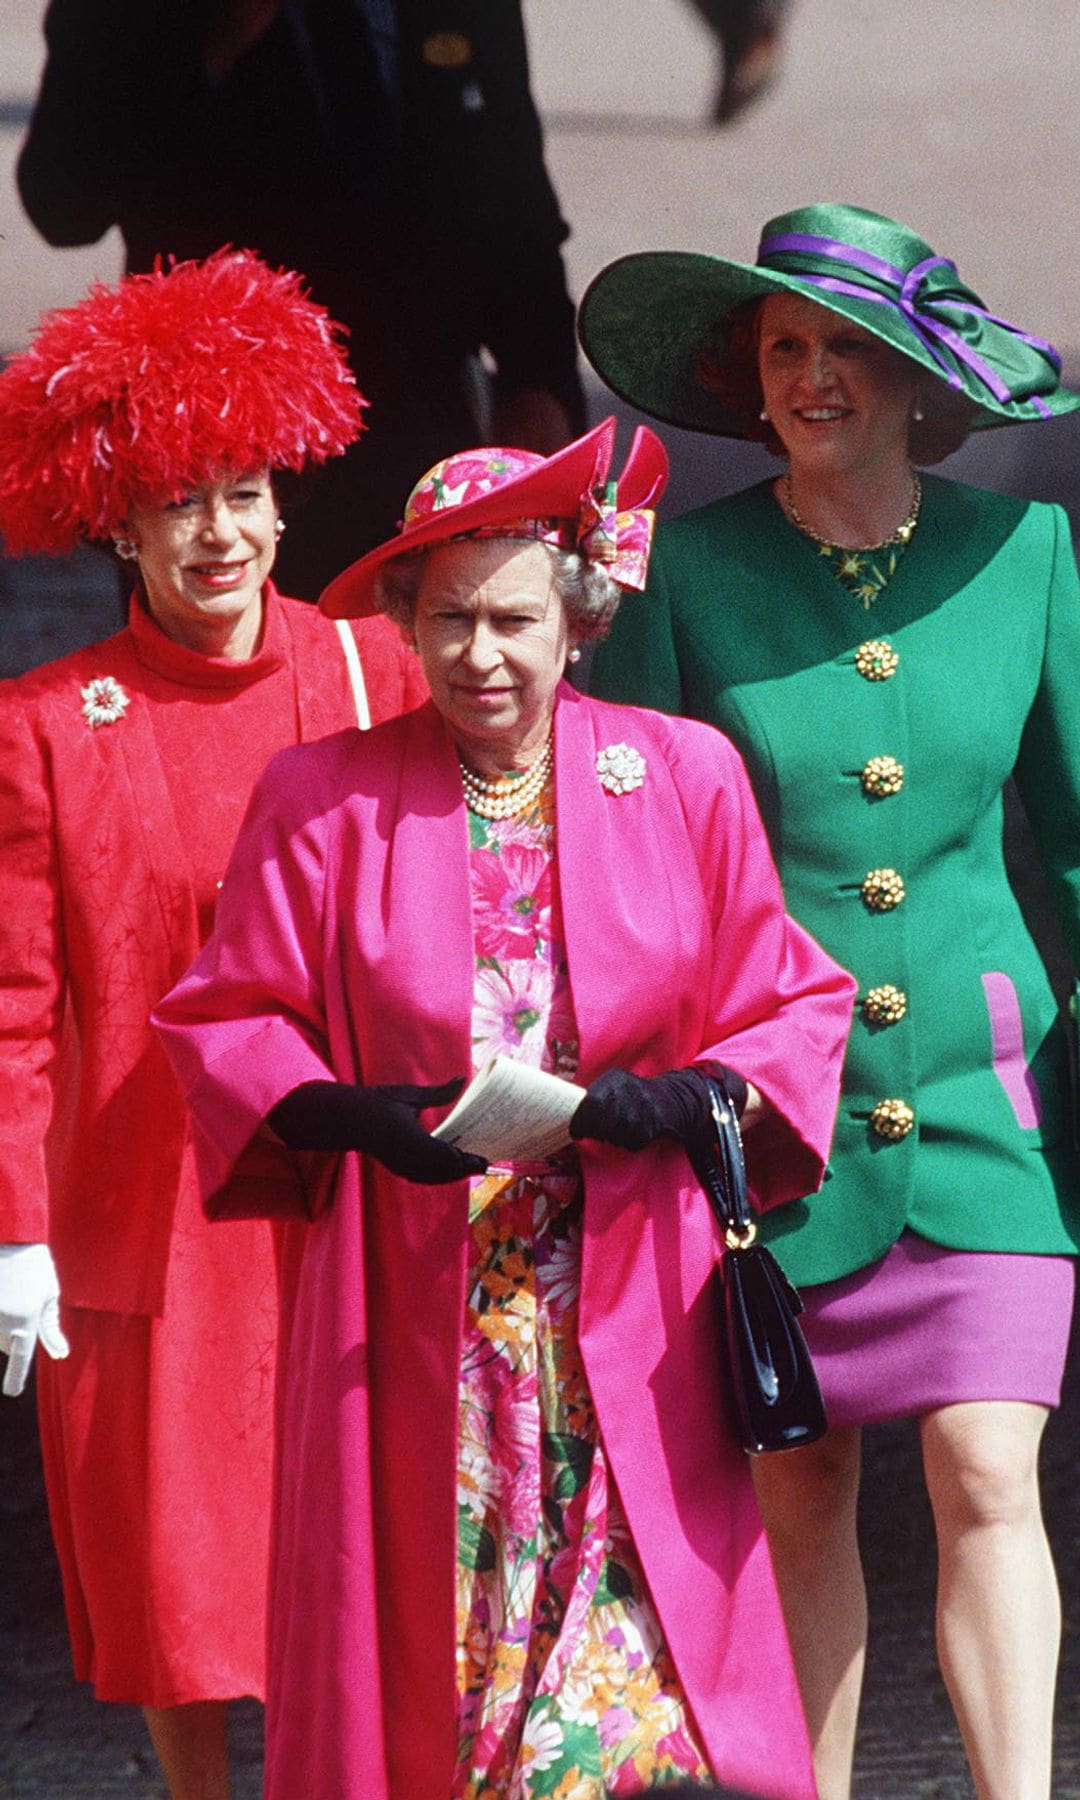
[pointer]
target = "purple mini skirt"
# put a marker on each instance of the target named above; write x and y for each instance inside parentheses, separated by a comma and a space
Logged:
(929, 1327)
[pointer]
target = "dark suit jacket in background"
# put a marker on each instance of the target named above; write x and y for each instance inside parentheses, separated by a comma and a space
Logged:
(391, 153)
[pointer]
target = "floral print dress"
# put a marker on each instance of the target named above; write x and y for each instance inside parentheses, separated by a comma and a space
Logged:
(566, 1687)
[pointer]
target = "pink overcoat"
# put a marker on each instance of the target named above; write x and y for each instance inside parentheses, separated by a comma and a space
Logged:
(344, 947)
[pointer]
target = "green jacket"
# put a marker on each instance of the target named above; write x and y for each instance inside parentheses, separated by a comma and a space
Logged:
(745, 626)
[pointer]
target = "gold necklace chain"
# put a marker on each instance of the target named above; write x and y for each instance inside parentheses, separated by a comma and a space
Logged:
(901, 535)
(507, 795)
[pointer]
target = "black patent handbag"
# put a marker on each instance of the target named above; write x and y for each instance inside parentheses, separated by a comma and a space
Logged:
(776, 1398)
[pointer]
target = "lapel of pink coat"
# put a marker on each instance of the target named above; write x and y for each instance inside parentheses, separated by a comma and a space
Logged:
(631, 896)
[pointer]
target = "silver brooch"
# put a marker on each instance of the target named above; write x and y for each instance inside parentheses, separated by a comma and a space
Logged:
(104, 701)
(621, 768)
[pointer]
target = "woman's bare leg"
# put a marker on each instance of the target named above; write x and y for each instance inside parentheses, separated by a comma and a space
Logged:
(808, 1500)
(998, 1616)
(191, 1748)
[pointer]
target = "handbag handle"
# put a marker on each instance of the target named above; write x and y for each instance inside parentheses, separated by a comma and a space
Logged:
(721, 1169)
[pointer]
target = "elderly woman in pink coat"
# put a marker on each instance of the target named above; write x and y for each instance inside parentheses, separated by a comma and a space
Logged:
(517, 1550)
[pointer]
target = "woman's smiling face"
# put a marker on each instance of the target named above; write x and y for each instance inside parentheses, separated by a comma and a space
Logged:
(839, 399)
(205, 557)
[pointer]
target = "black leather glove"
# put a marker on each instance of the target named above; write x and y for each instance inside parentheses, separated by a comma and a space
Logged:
(633, 1110)
(337, 1115)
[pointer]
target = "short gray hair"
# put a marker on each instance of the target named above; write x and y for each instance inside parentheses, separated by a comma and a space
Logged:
(589, 595)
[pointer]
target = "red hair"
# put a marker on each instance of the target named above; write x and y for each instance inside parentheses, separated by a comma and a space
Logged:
(727, 368)
(149, 388)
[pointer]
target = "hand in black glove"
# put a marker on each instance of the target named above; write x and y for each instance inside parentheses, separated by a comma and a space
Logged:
(337, 1115)
(633, 1110)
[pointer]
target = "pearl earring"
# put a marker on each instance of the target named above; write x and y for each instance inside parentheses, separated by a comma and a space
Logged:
(279, 526)
(126, 548)
(917, 413)
(573, 655)
(763, 415)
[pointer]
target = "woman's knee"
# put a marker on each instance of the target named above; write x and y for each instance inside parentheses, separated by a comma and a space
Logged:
(807, 1494)
(982, 1463)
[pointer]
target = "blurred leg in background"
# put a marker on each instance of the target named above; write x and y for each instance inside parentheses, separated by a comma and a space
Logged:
(750, 34)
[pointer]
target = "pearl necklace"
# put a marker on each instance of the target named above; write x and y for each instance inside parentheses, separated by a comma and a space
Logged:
(507, 795)
(900, 536)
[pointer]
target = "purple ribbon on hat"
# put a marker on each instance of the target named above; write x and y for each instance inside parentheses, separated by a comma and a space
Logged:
(923, 323)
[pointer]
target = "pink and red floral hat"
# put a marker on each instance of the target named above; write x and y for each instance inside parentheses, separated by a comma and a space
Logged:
(566, 499)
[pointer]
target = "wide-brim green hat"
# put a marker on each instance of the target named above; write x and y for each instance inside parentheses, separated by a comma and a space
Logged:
(646, 319)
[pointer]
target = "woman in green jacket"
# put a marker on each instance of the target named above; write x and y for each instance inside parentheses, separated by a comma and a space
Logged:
(886, 649)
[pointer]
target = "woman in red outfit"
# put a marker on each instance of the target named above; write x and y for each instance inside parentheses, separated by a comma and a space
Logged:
(153, 414)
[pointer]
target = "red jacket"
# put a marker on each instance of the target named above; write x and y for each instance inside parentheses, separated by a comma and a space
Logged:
(98, 918)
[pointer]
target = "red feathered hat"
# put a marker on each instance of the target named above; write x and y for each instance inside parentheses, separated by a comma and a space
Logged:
(154, 386)
(566, 499)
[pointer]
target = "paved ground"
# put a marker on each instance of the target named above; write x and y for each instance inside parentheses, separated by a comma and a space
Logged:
(964, 120)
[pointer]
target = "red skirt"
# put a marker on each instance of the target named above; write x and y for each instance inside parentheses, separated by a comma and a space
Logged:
(157, 1438)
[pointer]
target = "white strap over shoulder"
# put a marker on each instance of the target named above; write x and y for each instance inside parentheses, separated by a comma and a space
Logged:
(356, 673)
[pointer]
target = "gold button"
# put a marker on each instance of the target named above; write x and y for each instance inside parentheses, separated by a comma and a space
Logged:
(882, 775)
(892, 1119)
(446, 50)
(882, 890)
(876, 660)
(885, 1005)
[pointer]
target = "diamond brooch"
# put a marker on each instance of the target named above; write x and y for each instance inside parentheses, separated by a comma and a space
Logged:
(621, 768)
(104, 701)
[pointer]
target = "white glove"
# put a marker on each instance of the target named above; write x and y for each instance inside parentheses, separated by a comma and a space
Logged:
(29, 1309)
